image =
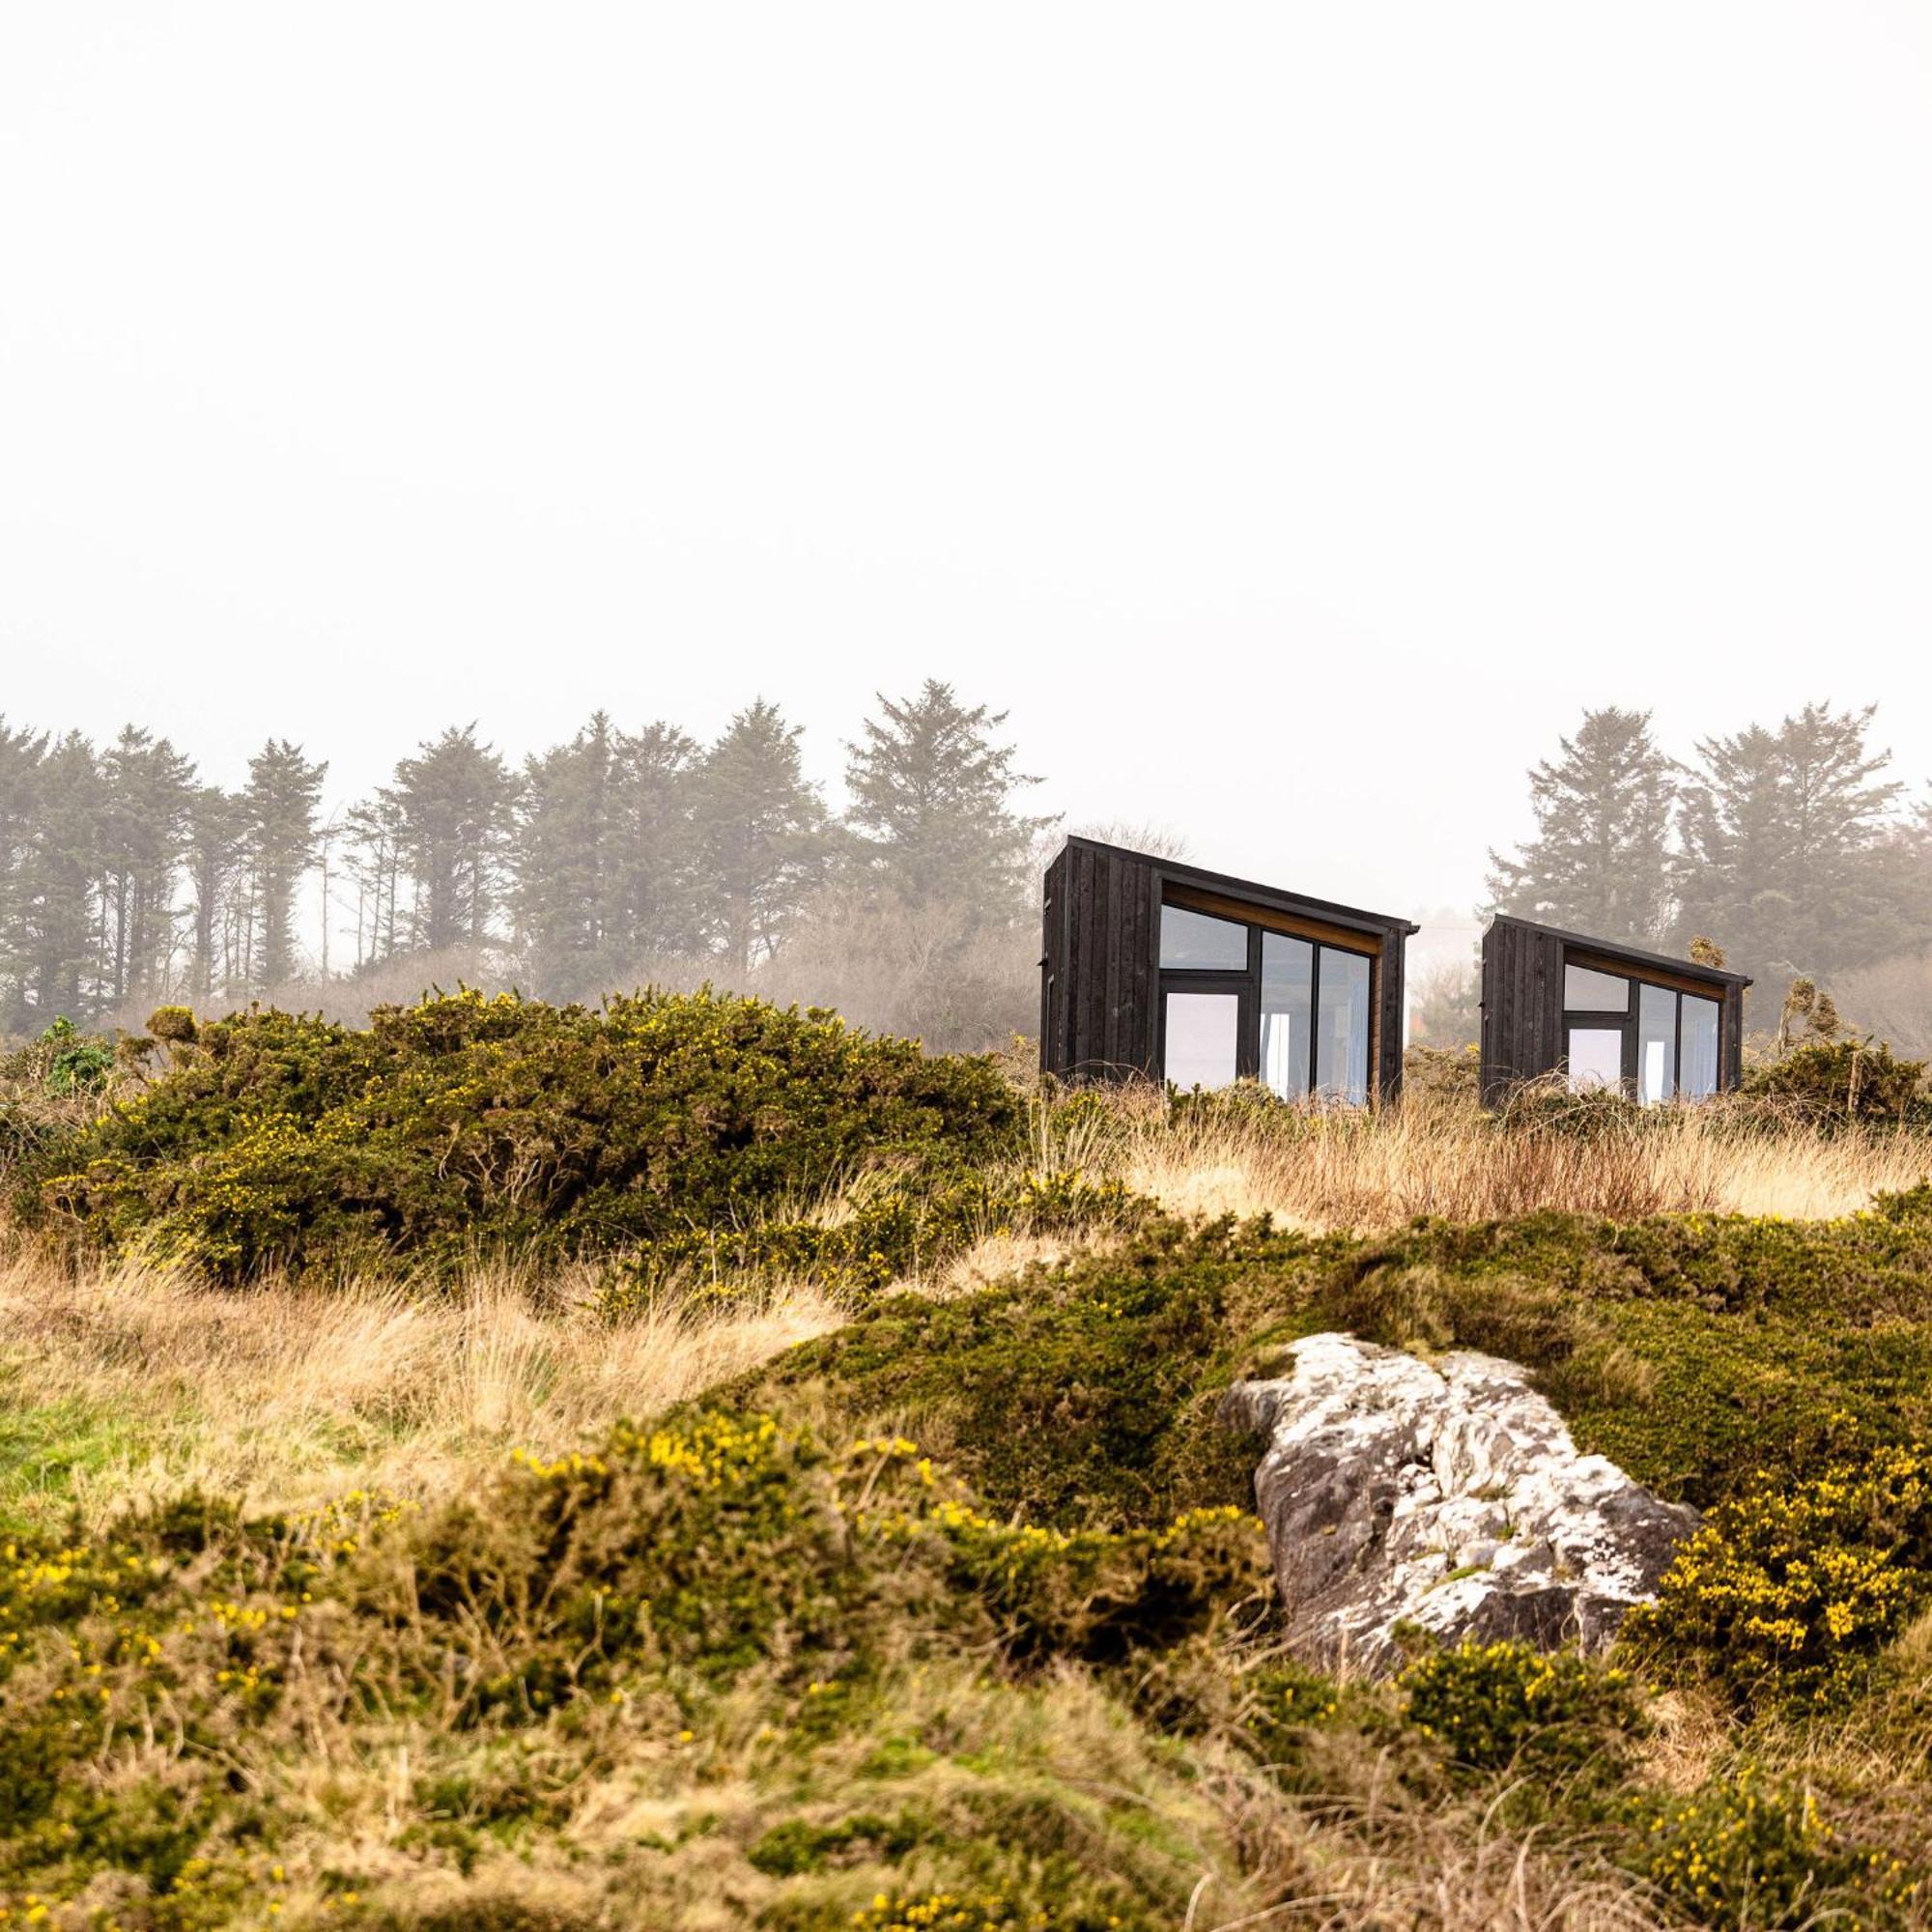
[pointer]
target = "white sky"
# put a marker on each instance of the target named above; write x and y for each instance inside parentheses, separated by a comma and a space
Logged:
(1295, 414)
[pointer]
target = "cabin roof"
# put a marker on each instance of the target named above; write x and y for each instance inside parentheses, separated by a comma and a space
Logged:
(1634, 955)
(1178, 873)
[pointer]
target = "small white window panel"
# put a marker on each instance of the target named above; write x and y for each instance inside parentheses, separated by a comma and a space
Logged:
(1596, 1058)
(1196, 940)
(1585, 990)
(1203, 1033)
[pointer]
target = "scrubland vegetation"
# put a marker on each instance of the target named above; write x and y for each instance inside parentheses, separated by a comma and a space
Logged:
(687, 1463)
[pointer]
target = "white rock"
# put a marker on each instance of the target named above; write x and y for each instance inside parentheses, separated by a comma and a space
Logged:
(1448, 1495)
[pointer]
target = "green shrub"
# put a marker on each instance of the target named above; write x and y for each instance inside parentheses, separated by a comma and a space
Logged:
(1787, 1595)
(679, 1573)
(467, 1124)
(1510, 1707)
(1843, 1079)
(1751, 1850)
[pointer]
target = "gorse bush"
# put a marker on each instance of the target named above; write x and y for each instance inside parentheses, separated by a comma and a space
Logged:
(1844, 1079)
(1753, 1852)
(1508, 1706)
(615, 1599)
(1787, 1595)
(468, 1124)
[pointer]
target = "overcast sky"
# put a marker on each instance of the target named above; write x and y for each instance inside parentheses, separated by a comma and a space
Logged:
(1295, 413)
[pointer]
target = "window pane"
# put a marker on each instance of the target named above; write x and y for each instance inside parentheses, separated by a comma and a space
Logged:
(1586, 991)
(1342, 1028)
(1194, 939)
(1201, 1029)
(1287, 969)
(1596, 1058)
(1699, 1079)
(1656, 1044)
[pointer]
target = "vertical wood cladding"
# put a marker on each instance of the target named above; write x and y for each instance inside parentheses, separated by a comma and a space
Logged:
(1103, 940)
(1100, 958)
(1522, 1005)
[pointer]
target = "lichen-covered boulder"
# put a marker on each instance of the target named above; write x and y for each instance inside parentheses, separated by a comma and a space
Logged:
(1448, 1495)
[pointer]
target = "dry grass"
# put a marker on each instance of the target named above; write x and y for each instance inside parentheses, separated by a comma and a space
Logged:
(135, 1383)
(1362, 1173)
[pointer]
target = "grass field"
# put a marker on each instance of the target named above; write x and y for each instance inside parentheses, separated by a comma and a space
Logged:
(380, 1659)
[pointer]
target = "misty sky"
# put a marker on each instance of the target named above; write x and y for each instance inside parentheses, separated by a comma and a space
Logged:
(1295, 413)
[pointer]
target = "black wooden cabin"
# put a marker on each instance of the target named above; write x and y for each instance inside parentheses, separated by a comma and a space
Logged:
(1605, 1015)
(1162, 971)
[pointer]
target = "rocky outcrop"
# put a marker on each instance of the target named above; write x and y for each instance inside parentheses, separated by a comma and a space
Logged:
(1445, 1494)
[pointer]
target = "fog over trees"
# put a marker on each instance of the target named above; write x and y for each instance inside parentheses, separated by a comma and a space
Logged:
(628, 855)
(618, 857)
(1793, 847)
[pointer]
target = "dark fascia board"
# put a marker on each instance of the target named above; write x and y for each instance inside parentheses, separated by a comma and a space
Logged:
(1173, 871)
(1636, 956)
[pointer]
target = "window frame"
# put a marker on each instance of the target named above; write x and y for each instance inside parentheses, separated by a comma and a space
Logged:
(1630, 1023)
(1247, 983)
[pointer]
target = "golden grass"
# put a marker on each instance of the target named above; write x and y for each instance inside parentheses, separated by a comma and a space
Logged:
(1362, 1173)
(281, 1397)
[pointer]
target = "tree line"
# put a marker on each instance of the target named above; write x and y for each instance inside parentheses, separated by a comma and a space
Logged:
(1794, 848)
(126, 881)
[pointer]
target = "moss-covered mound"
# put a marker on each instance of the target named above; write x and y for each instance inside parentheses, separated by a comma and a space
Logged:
(1696, 1350)
(466, 1126)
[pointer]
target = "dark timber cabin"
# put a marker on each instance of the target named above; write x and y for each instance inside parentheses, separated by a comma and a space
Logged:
(1160, 970)
(1605, 1015)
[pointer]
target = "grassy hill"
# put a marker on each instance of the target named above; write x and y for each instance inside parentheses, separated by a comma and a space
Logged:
(526, 1469)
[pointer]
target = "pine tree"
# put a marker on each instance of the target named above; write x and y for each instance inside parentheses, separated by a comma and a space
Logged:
(452, 804)
(217, 824)
(652, 882)
(604, 857)
(375, 832)
(280, 799)
(1600, 862)
(56, 935)
(762, 838)
(22, 752)
(1790, 858)
(147, 787)
(933, 793)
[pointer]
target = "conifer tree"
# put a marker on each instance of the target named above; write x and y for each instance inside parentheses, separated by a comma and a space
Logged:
(933, 792)
(1789, 856)
(452, 804)
(147, 787)
(652, 884)
(56, 936)
(762, 838)
(1599, 861)
(280, 802)
(560, 896)
(604, 857)
(216, 827)
(22, 752)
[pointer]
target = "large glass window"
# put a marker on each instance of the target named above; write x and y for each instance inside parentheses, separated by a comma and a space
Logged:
(1667, 1048)
(1342, 1027)
(1588, 991)
(1656, 1044)
(1697, 1078)
(1203, 1032)
(1596, 1058)
(1301, 1021)
(1287, 975)
(1196, 941)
